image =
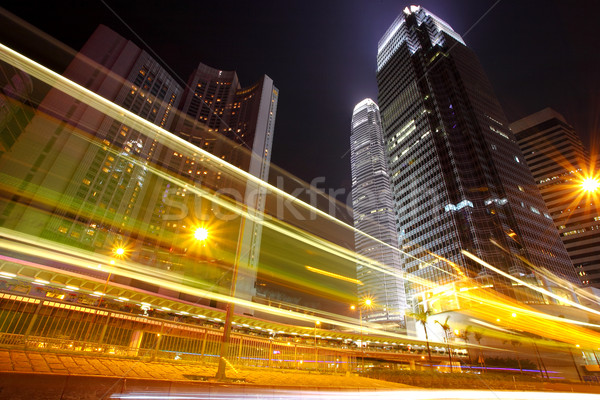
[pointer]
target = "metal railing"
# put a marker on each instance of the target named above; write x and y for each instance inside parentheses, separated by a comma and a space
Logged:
(32, 323)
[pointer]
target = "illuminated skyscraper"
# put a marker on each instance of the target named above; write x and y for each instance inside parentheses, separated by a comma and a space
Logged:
(459, 180)
(559, 163)
(374, 215)
(237, 125)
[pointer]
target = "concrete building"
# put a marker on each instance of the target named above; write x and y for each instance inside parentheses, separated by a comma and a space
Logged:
(83, 179)
(559, 164)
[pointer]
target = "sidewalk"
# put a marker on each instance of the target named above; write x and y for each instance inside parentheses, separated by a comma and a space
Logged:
(19, 361)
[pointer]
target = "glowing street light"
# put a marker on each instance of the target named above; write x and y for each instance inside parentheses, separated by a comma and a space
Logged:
(317, 323)
(119, 251)
(366, 303)
(201, 234)
(590, 184)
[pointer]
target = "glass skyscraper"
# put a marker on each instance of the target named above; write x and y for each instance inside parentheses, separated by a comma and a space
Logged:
(374, 215)
(459, 180)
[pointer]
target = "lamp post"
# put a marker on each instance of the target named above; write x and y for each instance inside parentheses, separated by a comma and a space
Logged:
(317, 323)
(230, 306)
(575, 363)
(118, 252)
(590, 184)
(365, 303)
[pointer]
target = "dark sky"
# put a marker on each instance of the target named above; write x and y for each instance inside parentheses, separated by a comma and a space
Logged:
(321, 55)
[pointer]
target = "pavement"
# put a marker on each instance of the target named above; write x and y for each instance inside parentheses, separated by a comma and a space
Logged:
(47, 363)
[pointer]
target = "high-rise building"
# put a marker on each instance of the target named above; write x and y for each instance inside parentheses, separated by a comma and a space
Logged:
(97, 181)
(237, 125)
(374, 215)
(559, 164)
(82, 178)
(459, 179)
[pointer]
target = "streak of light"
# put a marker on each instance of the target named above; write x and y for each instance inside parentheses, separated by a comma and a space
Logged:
(161, 135)
(551, 277)
(456, 267)
(332, 275)
(80, 258)
(530, 286)
(518, 309)
(491, 326)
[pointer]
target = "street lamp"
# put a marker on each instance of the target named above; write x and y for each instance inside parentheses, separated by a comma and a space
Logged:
(317, 323)
(590, 184)
(367, 302)
(119, 252)
(200, 232)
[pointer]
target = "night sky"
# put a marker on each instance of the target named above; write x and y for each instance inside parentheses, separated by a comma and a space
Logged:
(322, 55)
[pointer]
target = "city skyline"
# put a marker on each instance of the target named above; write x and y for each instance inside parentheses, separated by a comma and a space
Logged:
(535, 44)
(139, 232)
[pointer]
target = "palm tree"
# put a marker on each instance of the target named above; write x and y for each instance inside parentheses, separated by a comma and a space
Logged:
(478, 336)
(516, 343)
(447, 331)
(421, 316)
(465, 336)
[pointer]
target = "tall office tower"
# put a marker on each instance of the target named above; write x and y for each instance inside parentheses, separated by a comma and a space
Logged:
(459, 180)
(237, 125)
(559, 163)
(374, 215)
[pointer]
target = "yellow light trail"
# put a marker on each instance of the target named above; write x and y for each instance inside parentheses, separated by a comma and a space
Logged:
(332, 275)
(61, 253)
(552, 278)
(161, 135)
(530, 286)
(164, 137)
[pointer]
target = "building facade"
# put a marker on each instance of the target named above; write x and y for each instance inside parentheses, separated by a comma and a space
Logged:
(374, 216)
(459, 180)
(15, 109)
(559, 163)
